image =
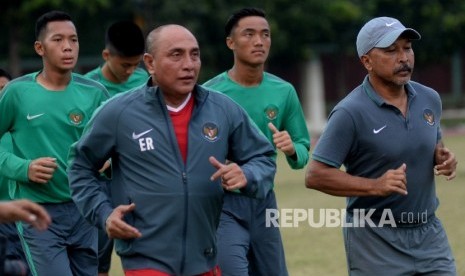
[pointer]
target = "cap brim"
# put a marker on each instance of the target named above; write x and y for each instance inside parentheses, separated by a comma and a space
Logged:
(391, 37)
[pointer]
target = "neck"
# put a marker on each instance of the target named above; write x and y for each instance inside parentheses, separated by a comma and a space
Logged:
(174, 101)
(246, 75)
(392, 94)
(108, 74)
(54, 80)
(387, 89)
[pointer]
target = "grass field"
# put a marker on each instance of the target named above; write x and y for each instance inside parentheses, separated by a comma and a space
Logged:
(320, 251)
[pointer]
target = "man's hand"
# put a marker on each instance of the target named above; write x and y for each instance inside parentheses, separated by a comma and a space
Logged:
(41, 169)
(392, 181)
(117, 228)
(282, 140)
(26, 211)
(232, 176)
(446, 162)
(105, 166)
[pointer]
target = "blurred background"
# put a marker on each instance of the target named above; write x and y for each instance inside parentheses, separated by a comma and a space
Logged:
(313, 47)
(313, 41)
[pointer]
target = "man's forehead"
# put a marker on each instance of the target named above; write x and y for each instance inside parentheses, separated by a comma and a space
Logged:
(179, 43)
(60, 28)
(253, 22)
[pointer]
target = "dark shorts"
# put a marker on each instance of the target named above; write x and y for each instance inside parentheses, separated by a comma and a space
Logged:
(105, 244)
(151, 272)
(245, 245)
(422, 250)
(105, 251)
(68, 247)
(14, 253)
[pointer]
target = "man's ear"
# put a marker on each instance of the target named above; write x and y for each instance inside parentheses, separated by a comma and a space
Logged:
(149, 62)
(230, 43)
(105, 54)
(366, 61)
(38, 47)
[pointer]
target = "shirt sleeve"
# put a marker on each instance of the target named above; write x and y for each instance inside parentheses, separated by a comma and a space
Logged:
(251, 150)
(296, 125)
(11, 166)
(85, 158)
(337, 139)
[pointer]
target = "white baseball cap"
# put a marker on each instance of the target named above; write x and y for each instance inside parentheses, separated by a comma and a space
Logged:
(382, 32)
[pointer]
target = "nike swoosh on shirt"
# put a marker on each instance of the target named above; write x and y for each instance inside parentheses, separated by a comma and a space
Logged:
(137, 136)
(390, 24)
(376, 131)
(32, 117)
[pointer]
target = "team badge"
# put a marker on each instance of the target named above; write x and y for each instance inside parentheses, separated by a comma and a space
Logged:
(428, 115)
(76, 116)
(271, 112)
(210, 132)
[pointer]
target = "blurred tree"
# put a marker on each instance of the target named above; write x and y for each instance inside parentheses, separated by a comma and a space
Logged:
(19, 18)
(300, 29)
(439, 22)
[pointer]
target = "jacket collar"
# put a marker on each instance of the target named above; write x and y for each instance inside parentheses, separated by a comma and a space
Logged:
(153, 93)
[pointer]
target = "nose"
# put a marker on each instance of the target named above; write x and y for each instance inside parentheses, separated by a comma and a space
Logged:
(67, 45)
(258, 40)
(188, 62)
(131, 69)
(403, 56)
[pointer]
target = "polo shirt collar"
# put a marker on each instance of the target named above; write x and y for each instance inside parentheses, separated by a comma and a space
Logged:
(377, 99)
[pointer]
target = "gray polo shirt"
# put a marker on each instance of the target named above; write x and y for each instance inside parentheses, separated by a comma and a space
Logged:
(369, 136)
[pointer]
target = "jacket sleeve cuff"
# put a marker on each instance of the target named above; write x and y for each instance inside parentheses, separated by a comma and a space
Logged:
(103, 218)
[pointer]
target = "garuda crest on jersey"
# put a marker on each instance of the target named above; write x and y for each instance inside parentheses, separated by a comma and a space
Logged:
(210, 131)
(271, 112)
(428, 115)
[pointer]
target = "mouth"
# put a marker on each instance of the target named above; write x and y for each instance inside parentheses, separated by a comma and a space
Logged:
(68, 60)
(187, 78)
(261, 52)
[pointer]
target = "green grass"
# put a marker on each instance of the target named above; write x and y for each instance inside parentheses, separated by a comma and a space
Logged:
(320, 251)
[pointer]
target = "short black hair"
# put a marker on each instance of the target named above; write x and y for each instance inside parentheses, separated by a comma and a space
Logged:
(4, 73)
(238, 15)
(125, 38)
(47, 17)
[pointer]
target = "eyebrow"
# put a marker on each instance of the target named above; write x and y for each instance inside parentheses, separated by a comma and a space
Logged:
(255, 30)
(180, 49)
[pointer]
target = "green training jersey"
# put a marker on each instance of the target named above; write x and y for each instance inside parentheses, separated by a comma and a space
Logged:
(274, 100)
(44, 123)
(5, 145)
(137, 78)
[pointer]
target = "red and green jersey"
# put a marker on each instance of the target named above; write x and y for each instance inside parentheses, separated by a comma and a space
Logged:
(44, 123)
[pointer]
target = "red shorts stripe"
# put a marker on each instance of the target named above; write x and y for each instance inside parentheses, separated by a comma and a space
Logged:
(152, 272)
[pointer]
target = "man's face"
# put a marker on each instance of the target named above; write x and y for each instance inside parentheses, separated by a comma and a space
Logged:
(393, 64)
(250, 40)
(59, 45)
(176, 62)
(117, 68)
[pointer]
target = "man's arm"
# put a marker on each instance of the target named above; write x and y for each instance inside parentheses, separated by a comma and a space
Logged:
(12, 166)
(86, 157)
(252, 151)
(446, 163)
(295, 125)
(333, 181)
